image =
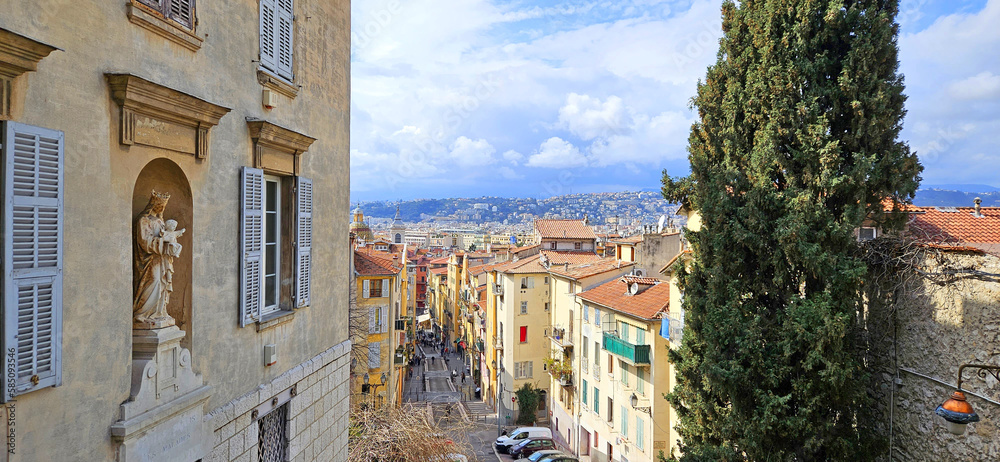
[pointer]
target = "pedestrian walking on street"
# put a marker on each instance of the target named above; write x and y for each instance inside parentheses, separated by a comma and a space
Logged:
(463, 378)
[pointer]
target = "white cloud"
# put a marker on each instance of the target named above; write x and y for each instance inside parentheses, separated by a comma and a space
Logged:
(589, 118)
(982, 86)
(953, 90)
(649, 141)
(513, 157)
(557, 153)
(509, 174)
(472, 153)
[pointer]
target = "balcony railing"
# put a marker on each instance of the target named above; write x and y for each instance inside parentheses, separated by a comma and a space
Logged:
(584, 365)
(561, 337)
(635, 354)
(675, 329)
(497, 343)
(597, 372)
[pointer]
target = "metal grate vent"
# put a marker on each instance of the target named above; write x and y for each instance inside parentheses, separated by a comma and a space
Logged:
(273, 435)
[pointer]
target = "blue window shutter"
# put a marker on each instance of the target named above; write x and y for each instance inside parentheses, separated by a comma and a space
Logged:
(304, 225)
(33, 166)
(252, 245)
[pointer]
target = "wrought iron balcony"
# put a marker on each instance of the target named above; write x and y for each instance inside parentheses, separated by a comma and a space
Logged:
(497, 343)
(561, 337)
(584, 365)
(634, 354)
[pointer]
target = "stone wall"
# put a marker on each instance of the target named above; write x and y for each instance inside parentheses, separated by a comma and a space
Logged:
(317, 424)
(939, 327)
(655, 251)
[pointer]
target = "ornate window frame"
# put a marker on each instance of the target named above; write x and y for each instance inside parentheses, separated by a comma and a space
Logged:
(277, 149)
(18, 55)
(158, 116)
(154, 21)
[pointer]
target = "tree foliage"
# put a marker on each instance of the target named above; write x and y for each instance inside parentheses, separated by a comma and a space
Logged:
(797, 144)
(527, 404)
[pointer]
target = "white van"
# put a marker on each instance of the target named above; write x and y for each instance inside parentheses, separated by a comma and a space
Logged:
(504, 442)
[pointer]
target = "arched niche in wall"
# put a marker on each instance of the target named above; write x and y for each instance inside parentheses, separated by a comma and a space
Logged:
(164, 176)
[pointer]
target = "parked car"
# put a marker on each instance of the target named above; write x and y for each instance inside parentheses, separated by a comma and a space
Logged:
(529, 446)
(543, 454)
(504, 442)
(559, 458)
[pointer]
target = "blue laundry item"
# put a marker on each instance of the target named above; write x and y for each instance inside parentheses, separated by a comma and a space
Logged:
(665, 328)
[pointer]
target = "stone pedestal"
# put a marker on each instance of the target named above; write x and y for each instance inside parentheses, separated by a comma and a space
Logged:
(163, 419)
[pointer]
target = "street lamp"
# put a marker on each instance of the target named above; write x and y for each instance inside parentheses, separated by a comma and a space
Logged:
(956, 411)
(374, 385)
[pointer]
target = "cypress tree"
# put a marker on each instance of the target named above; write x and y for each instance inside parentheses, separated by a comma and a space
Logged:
(797, 143)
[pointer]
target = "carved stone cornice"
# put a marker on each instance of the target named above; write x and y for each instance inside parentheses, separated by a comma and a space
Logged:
(18, 54)
(277, 149)
(155, 115)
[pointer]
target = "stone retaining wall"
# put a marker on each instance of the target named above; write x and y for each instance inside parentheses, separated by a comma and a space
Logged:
(317, 412)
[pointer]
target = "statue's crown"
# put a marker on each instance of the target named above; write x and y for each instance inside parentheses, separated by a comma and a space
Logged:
(159, 197)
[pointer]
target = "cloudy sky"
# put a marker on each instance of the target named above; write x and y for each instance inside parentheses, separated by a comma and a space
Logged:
(535, 98)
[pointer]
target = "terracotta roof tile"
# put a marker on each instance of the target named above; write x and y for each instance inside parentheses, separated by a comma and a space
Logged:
(589, 268)
(564, 229)
(523, 248)
(640, 280)
(375, 264)
(647, 304)
(628, 240)
(439, 271)
(957, 227)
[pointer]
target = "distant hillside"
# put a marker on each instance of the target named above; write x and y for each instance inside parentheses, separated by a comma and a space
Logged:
(644, 206)
(953, 198)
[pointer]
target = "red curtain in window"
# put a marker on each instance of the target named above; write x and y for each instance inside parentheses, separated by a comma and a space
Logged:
(524, 334)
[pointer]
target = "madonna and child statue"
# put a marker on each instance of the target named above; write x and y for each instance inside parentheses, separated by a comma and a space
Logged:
(154, 249)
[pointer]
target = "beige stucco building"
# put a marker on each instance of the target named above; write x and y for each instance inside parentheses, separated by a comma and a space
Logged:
(240, 112)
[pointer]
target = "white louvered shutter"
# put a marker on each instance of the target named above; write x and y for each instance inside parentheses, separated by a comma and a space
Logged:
(283, 38)
(303, 261)
(32, 257)
(531, 366)
(385, 288)
(365, 286)
(251, 242)
(374, 355)
(268, 29)
(385, 319)
(372, 316)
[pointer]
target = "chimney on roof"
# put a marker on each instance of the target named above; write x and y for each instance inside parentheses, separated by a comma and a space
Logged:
(978, 201)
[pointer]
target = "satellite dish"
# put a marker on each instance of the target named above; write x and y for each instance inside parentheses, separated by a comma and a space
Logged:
(633, 288)
(659, 227)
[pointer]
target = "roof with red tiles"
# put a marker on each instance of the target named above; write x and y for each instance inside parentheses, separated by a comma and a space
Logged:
(375, 264)
(439, 271)
(521, 266)
(633, 240)
(564, 229)
(523, 248)
(641, 280)
(587, 269)
(647, 304)
(957, 227)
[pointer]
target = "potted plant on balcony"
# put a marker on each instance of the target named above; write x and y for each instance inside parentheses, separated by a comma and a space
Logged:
(562, 370)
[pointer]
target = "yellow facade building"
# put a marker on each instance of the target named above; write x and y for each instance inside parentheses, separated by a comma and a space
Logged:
(378, 328)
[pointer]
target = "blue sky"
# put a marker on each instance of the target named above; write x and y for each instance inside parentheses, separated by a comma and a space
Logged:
(463, 98)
